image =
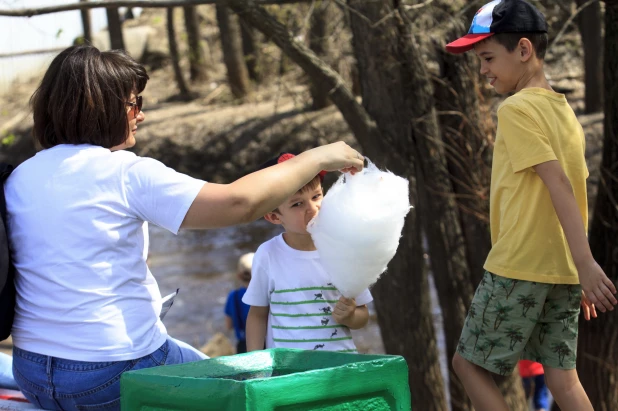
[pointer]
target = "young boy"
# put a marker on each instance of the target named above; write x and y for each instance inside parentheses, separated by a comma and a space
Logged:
(527, 304)
(293, 304)
(236, 311)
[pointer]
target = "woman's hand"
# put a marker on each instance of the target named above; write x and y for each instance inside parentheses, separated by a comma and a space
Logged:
(337, 157)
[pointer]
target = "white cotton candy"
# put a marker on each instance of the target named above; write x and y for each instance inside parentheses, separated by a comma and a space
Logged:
(358, 227)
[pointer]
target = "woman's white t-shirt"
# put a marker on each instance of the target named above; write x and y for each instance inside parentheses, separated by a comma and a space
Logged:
(78, 231)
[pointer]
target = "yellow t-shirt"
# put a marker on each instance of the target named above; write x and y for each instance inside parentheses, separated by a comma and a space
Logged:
(534, 126)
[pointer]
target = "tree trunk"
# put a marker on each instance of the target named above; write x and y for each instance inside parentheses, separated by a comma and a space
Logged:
(404, 331)
(589, 21)
(597, 360)
(465, 151)
(115, 28)
(183, 90)
(85, 14)
(128, 15)
(233, 57)
(250, 50)
(318, 42)
(197, 62)
(397, 94)
(468, 151)
(409, 102)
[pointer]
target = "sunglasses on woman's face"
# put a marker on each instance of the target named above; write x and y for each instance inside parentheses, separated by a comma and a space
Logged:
(137, 106)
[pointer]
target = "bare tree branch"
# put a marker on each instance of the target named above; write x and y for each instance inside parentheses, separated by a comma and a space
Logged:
(37, 11)
(566, 24)
(321, 74)
(418, 6)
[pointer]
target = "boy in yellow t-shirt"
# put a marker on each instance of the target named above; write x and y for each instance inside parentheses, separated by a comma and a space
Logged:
(528, 303)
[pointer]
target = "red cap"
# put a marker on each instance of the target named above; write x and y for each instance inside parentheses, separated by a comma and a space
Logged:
(466, 43)
(286, 156)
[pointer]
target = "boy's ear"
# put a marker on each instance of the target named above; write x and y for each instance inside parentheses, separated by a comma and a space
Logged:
(273, 218)
(525, 49)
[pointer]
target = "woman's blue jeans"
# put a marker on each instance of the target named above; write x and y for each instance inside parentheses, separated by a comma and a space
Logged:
(57, 384)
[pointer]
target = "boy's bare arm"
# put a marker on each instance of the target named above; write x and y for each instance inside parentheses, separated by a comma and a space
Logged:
(229, 324)
(597, 287)
(257, 321)
(349, 314)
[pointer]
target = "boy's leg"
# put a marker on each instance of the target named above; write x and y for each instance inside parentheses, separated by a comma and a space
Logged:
(553, 343)
(480, 386)
(495, 333)
(567, 390)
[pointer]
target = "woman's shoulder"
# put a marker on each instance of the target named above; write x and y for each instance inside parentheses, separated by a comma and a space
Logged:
(141, 164)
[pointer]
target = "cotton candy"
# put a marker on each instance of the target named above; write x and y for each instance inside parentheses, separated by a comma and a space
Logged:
(358, 227)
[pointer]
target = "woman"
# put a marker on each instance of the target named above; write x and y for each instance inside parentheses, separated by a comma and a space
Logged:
(87, 306)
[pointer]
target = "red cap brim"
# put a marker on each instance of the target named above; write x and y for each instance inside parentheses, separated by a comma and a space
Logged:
(466, 43)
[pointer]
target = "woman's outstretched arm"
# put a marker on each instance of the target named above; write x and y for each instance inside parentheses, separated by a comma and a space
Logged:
(252, 196)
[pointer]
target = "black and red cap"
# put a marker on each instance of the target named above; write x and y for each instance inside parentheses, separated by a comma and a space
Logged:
(500, 16)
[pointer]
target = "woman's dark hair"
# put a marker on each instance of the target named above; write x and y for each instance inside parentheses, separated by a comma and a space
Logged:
(82, 97)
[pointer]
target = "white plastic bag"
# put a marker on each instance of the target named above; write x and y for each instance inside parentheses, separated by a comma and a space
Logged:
(358, 227)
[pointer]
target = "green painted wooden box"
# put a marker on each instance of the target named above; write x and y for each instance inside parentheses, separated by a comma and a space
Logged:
(274, 379)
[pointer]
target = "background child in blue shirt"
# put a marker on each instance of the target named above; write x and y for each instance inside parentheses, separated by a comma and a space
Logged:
(235, 310)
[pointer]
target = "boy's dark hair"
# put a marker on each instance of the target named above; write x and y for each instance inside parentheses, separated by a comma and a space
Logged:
(311, 185)
(82, 97)
(511, 40)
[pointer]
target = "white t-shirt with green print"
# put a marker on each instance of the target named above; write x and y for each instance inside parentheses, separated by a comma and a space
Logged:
(297, 289)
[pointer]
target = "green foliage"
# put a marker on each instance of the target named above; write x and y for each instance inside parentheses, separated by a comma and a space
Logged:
(8, 139)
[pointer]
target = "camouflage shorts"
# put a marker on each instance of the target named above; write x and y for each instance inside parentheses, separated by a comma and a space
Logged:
(511, 320)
